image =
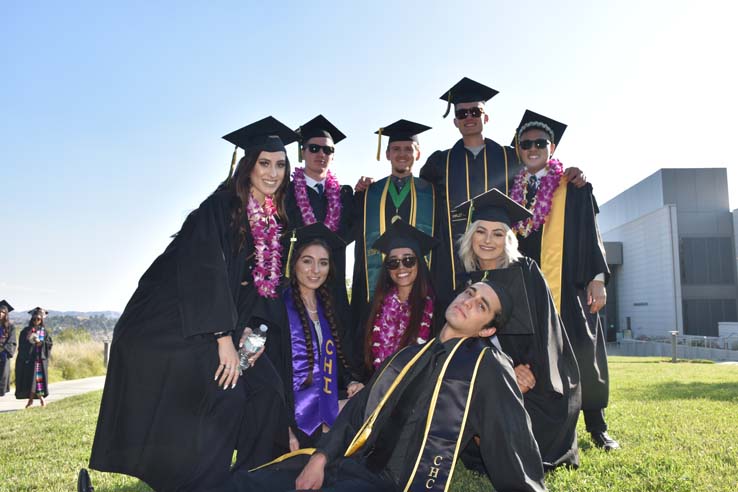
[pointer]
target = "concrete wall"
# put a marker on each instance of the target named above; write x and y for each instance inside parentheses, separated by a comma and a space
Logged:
(659, 349)
(638, 200)
(648, 284)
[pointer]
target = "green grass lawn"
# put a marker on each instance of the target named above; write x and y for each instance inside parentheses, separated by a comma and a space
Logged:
(677, 423)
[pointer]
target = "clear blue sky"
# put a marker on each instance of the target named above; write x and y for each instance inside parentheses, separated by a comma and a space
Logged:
(112, 114)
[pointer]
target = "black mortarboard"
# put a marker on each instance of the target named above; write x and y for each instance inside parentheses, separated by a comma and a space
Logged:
(400, 130)
(467, 90)
(534, 120)
(308, 233)
(495, 206)
(400, 234)
(319, 127)
(267, 134)
(37, 309)
(5, 304)
(509, 285)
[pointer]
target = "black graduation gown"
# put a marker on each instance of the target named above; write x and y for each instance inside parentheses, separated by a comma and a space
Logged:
(496, 415)
(478, 181)
(584, 258)
(162, 417)
(279, 350)
(553, 404)
(8, 344)
(320, 208)
(25, 376)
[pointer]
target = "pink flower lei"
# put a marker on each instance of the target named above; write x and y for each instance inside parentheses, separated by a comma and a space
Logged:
(332, 192)
(268, 250)
(391, 323)
(541, 205)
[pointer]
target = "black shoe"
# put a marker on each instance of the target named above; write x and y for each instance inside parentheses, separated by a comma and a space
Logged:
(83, 482)
(602, 440)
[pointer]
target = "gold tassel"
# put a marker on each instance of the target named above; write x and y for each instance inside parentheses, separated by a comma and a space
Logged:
(293, 240)
(379, 142)
(448, 107)
(517, 147)
(233, 163)
(469, 217)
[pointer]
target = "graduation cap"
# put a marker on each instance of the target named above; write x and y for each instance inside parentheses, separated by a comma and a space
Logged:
(37, 309)
(509, 285)
(267, 134)
(5, 304)
(467, 90)
(492, 205)
(305, 234)
(555, 129)
(400, 234)
(319, 127)
(400, 130)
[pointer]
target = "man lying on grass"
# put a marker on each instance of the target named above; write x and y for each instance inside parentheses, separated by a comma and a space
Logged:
(405, 430)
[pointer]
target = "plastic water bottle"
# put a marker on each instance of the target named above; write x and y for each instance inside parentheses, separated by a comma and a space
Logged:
(251, 346)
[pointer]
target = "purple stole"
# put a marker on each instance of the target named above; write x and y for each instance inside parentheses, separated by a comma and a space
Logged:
(318, 403)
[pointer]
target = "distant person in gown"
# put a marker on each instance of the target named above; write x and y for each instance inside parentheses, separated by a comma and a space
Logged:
(8, 344)
(169, 413)
(32, 363)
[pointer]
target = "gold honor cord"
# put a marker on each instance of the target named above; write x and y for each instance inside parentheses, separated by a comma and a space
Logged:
(413, 202)
(450, 232)
(293, 240)
(466, 158)
(466, 414)
(366, 429)
(486, 180)
(552, 243)
(285, 457)
(432, 407)
(366, 246)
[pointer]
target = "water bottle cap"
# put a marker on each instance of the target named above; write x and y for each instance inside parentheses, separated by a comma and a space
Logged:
(263, 327)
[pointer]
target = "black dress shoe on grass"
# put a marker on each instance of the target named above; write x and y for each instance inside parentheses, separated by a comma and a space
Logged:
(602, 440)
(83, 482)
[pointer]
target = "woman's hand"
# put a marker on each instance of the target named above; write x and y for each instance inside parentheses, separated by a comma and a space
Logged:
(294, 443)
(353, 388)
(525, 377)
(228, 370)
(311, 477)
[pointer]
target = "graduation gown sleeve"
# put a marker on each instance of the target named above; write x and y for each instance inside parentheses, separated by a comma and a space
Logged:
(204, 292)
(508, 449)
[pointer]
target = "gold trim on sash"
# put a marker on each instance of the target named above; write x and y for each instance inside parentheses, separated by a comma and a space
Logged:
(552, 243)
(284, 457)
(366, 429)
(450, 231)
(382, 208)
(466, 414)
(432, 408)
(366, 248)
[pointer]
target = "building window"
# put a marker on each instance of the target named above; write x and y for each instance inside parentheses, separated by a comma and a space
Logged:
(707, 260)
(701, 316)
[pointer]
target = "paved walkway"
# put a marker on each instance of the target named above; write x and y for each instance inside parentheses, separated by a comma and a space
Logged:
(57, 391)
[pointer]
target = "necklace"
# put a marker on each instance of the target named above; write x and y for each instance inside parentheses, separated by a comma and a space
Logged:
(268, 250)
(314, 306)
(332, 193)
(541, 205)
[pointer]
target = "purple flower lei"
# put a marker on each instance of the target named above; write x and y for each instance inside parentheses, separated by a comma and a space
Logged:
(332, 192)
(392, 321)
(541, 205)
(268, 250)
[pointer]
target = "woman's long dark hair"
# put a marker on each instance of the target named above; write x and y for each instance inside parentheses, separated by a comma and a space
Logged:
(326, 299)
(5, 322)
(240, 185)
(422, 288)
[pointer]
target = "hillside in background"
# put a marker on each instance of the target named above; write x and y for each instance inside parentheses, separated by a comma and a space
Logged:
(99, 324)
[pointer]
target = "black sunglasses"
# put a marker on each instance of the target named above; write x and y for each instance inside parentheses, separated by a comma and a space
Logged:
(540, 143)
(407, 262)
(463, 113)
(315, 148)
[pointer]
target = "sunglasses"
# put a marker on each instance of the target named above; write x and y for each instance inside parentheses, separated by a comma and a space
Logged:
(315, 148)
(463, 113)
(540, 143)
(407, 262)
